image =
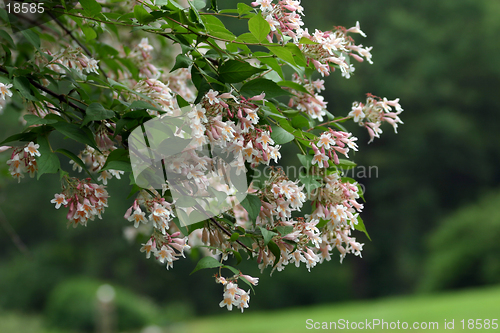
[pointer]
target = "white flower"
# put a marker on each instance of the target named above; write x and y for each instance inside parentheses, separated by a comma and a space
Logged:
(212, 96)
(4, 90)
(356, 29)
(148, 248)
(32, 149)
(137, 217)
(59, 199)
(357, 113)
(144, 45)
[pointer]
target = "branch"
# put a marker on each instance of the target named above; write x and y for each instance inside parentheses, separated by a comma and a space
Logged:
(60, 97)
(14, 236)
(330, 122)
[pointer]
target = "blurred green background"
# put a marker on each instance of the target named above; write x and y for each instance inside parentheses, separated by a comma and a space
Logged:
(433, 211)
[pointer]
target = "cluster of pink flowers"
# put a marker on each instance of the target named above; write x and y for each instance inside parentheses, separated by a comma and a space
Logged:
(179, 81)
(165, 243)
(85, 199)
(284, 17)
(158, 92)
(313, 103)
(331, 49)
(246, 137)
(336, 202)
(95, 160)
(329, 144)
(234, 296)
(72, 58)
(22, 160)
(280, 197)
(160, 210)
(327, 50)
(141, 55)
(375, 111)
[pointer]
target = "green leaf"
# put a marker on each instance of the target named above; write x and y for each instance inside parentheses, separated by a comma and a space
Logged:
(32, 37)
(206, 262)
(267, 234)
(89, 33)
(35, 120)
(77, 160)
(252, 205)
(299, 56)
(281, 136)
(143, 105)
(284, 230)
(257, 86)
(294, 85)
(95, 112)
(216, 28)
(346, 164)
(247, 38)
(72, 156)
(234, 71)
(276, 251)
(118, 159)
(283, 53)
(91, 7)
(310, 182)
(244, 9)
(48, 162)
(7, 37)
(232, 269)
(194, 16)
(181, 102)
(361, 227)
(76, 133)
(28, 136)
(273, 63)
(23, 85)
(142, 15)
(181, 61)
(305, 160)
(234, 237)
(305, 40)
(259, 27)
(300, 121)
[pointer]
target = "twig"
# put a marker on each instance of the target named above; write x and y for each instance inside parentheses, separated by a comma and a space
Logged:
(14, 236)
(329, 122)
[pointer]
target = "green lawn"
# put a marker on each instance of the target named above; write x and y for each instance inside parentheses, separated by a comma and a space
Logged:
(481, 303)
(470, 304)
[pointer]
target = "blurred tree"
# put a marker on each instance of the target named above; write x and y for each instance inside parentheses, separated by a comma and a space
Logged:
(464, 249)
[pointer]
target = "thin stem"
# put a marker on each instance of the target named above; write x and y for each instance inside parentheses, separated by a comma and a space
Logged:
(330, 122)
(239, 17)
(14, 236)
(60, 97)
(228, 233)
